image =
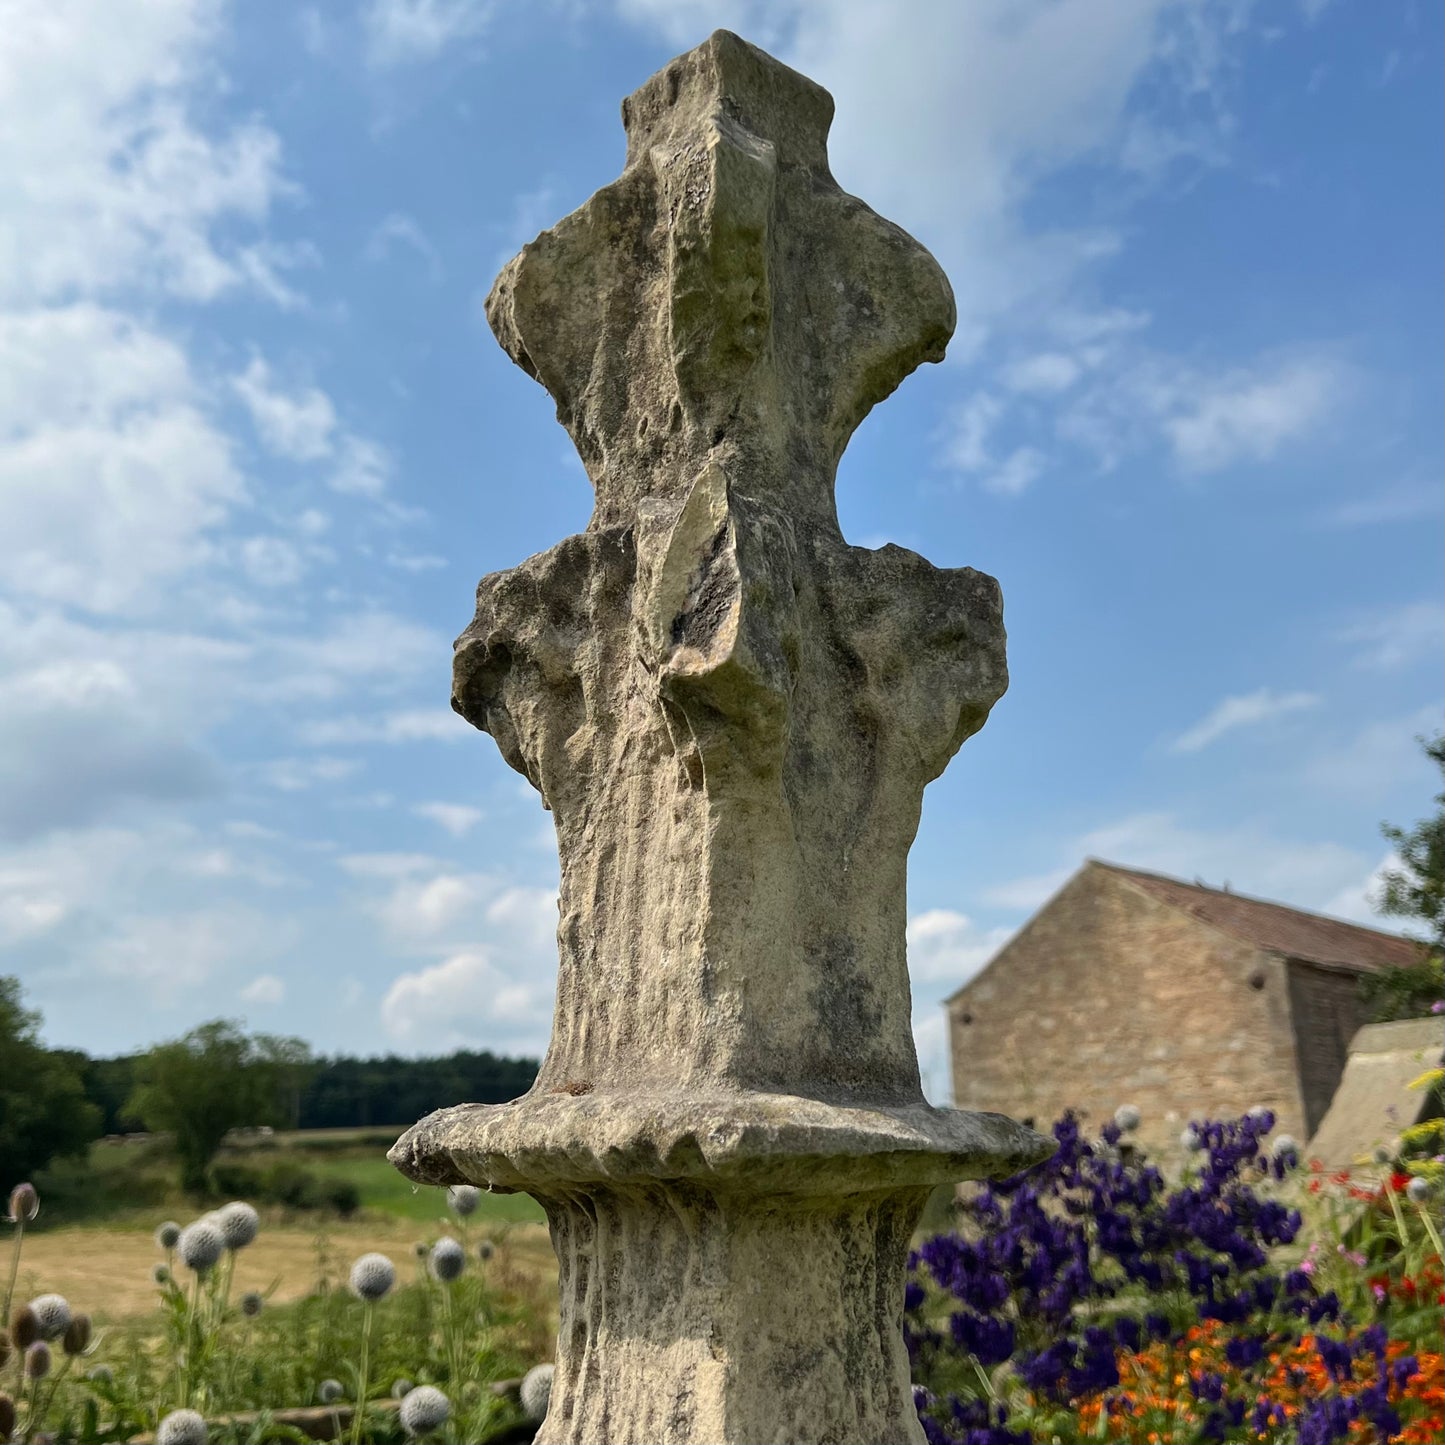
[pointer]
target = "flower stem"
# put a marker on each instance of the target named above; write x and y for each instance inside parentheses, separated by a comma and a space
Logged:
(363, 1379)
(14, 1269)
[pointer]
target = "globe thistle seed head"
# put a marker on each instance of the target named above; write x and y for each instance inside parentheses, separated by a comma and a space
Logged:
(1382, 1154)
(7, 1417)
(1190, 1140)
(1127, 1117)
(24, 1204)
(423, 1410)
(168, 1235)
(372, 1276)
(52, 1314)
(401, 1388)
(252, 1303)
(76, 1339)
(1285, 1149)
(161, 1273)
(421, 1249)
(1419, 1190)
(536, 1391)
(182, 1427)
(201, 1244)
(238, 1223)
(448, 1259)
(464, 1199)
(101, 1375)
(37, 1361)
(1262, 1116)
(329, 1391)
(485, 1250)
(24, 1327)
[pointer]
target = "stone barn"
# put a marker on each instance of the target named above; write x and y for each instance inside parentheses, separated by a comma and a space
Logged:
(1130, 987)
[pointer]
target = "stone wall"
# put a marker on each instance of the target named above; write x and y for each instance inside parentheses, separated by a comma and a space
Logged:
(1109, 996)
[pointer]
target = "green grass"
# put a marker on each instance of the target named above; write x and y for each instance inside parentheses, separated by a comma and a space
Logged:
(116, 1182)
(386, 1191)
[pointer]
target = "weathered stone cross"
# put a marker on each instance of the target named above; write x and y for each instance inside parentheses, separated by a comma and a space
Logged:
(732, 715)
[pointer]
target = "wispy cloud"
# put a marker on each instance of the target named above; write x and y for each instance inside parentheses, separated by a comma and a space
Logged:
(408, 725)
(457, 818)
(1248, 416)
(1403, 502)
(404, 32)
(1247, 710)
(299, 424)
(1390, 640)
(398, 229)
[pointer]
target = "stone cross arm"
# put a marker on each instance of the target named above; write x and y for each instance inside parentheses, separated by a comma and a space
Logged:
(723, 288)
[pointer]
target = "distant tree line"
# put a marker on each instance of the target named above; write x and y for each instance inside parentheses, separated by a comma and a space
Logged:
(332, 1093)
(56, 1102)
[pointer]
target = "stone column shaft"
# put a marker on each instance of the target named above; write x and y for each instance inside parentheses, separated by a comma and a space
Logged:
(732, 715)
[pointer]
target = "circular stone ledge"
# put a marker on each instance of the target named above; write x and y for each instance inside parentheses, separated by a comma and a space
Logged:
(752, 1142)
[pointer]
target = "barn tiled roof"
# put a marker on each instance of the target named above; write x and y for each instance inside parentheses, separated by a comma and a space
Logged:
(1277, 928)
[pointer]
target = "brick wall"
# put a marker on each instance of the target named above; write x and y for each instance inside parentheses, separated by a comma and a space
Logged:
(1110, 996)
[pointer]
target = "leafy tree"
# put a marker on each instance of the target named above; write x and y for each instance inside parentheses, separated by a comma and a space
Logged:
(44, 1113)
(1415, 891)
(215, 1079)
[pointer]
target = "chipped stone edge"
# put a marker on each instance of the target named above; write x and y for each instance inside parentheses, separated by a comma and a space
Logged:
(757, 1143)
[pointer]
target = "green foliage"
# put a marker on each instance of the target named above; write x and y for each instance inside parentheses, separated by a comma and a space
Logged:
(204, 1353)
(1403, 993)
(44, 1113)
(1416, 890)
(288, 1183)
(347, 1093)
(215, 1079)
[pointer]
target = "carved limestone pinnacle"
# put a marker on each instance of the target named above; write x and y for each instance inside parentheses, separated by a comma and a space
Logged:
(732, 715)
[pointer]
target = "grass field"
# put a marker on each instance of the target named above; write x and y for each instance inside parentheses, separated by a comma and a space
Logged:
(385, 1191)
(120, 1183)
(106, 1270)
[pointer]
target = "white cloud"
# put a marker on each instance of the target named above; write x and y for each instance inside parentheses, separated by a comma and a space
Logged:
(109, 180)
(966, 441)
(88, 728)
(1247, 417)
(1391, 640)
(457, 818)
(415, 561)
(271, 561)
(265, 990)
(113, 479)
(1379, 757)
(1403, 502)
(1249, 858)
(1044, 374)
(945, 946)
(1016, 474)
(298, 424)
(1247, 710)
(400, 32)
(177, 953)
(363, 468)
(387, 865)
(409, 725)
(399, 229)
(1026, 894)
(1356, 901)
(421, 908)
(465, 1001)
(298, 775)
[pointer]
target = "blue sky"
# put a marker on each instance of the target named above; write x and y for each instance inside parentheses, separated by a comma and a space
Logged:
(257, 445)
